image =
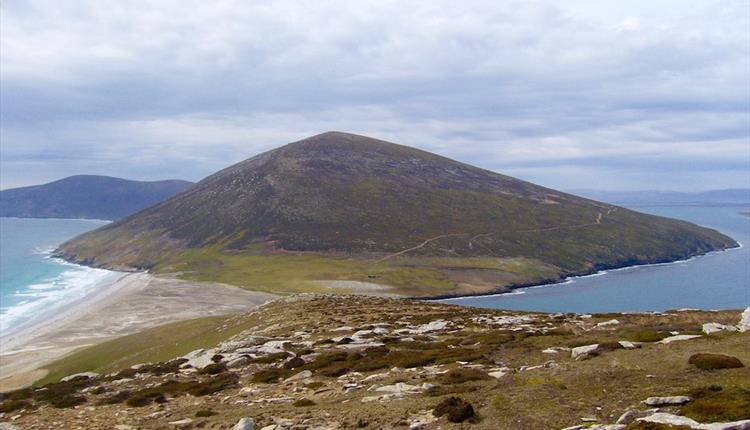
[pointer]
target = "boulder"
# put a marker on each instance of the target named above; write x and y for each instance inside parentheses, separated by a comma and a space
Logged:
(247, 342)
(244, 424)
(431, 326)
(299, 376)
(499, 373)
(676, 420)
(273, 346)
(421, 420)
(626, 418)
(85, 375)
(401, 388)
(678, 337)
(238, 362)
(667, 400)
(199, 358)
(669, 419)
(744, 324)
(608, 323)
(713, 327)
(628, 344)
(184, 423)
(582, 352)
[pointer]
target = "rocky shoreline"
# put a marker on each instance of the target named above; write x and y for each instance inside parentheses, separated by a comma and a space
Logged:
(562, 278)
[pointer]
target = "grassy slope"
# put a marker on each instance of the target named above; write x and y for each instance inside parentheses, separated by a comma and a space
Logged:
(342, 195)
(152, 345)
(541, 398)
(292, 273)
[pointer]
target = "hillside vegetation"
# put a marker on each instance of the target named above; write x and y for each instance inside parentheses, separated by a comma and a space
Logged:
(342, 206)
(350, 362)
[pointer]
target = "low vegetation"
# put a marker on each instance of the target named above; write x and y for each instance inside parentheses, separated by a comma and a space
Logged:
(340, 206)
(483, 369)
(706, 361)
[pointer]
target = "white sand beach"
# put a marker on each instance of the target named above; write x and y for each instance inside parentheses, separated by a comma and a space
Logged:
(135, 301)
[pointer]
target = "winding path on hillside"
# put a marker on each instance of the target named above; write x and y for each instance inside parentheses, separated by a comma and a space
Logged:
(597, 221)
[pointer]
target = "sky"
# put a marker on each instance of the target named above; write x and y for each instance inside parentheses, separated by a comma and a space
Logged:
(576, 94)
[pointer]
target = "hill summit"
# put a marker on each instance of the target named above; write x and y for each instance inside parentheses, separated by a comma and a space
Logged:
(348, 195)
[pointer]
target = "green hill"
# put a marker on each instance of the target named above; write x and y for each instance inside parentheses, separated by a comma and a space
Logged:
(342, 206)
(86, 196)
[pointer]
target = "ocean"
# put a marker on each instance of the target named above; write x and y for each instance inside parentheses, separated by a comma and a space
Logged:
(31, 281)
(719, 280)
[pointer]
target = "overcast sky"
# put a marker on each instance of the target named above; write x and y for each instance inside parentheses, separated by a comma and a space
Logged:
(574, 94)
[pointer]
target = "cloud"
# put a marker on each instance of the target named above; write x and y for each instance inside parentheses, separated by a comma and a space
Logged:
(556, 93)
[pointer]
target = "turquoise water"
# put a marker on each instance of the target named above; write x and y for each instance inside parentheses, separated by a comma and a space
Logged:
(715, 281)
(30, 280)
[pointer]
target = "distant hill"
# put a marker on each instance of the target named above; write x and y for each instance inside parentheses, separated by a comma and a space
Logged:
(348, 196)
(86, 196)
(728, 196)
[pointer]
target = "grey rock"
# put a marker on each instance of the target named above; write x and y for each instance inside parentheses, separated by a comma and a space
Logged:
(678, 337)
(184, 423)
(238, 362)
(86, 374)
(713, 327)
(667, 400)
(299, 376)
(583, 352)
(744, 324)
(244, 424)
(626, 418)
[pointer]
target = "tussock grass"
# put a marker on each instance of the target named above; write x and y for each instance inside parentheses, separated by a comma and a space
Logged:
(714, 403)
(706, 361)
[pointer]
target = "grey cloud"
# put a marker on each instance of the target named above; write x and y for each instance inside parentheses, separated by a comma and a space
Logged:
(188, 87)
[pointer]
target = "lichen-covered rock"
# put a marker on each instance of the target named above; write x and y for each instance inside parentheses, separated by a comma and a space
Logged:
(676, 420)
(582, 352)
(244, 424)
(713, 327)
(667, 400)
(678, 337)
(86, 375)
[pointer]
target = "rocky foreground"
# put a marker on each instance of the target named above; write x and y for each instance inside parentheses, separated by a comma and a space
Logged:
(354, 362)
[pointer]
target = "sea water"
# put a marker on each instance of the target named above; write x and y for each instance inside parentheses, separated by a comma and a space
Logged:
(719, 280)
(31, 280)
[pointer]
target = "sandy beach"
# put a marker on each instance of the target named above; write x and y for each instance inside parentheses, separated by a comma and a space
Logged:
(133, 302)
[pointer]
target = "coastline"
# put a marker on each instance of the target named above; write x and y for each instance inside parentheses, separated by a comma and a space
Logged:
(569, 278)
(128, 304)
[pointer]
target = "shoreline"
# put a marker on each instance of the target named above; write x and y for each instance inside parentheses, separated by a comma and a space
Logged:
(513, 289)
(131, 303)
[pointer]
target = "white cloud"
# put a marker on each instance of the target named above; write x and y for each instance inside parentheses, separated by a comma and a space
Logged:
(531, 87)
